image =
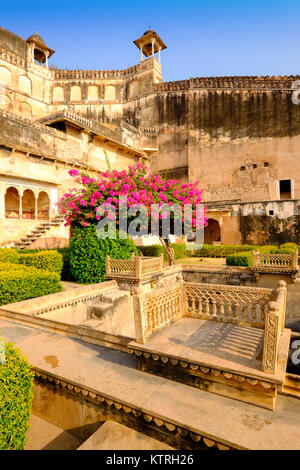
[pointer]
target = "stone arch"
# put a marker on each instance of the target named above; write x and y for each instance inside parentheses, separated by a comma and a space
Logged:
(25, 84)
(212, 232)
(43, 205)
(58, 93)
(28, 204)
(5, 102)
(12, 203)
(5, 76)
(25, 109)
(92, 93)
(76, 93)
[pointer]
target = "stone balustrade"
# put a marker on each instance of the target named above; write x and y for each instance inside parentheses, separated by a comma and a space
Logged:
(277, 262)
(245, 306)
(136, 267)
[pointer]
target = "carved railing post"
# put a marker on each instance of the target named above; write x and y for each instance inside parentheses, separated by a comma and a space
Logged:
(108, 267)
(138, 266)
(295, 260)
(271, 338)
(140, 320)
(281, 299)
(255, 259)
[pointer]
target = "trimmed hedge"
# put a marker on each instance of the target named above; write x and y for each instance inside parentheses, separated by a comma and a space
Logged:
(157, 250)
(16, 393)
(239, 259)
(245, 259)
(88, 254)
(19, 282)
(50, 260)
(65, 252)
(221, 251)
(9, 255)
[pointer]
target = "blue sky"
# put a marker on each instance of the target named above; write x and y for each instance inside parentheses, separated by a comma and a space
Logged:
(204, 38)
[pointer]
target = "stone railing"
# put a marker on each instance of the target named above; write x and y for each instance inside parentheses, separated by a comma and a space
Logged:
(136, 267)
(156, 310)
(275, 262)
(245, 306)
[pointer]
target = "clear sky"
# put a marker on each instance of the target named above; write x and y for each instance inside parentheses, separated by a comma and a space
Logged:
(204, 38)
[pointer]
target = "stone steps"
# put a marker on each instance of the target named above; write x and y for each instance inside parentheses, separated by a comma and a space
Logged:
(38, 232)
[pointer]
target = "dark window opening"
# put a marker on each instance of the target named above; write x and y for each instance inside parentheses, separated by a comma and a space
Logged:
(243, 168)
(266, 163)
(285, 189)
(271, 212)
(254, 165)
(39, 57)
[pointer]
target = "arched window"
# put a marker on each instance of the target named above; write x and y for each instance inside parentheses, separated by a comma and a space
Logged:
(43, 206)
(12, 203)
(28, 204)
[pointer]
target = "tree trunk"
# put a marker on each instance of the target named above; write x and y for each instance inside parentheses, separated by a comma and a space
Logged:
(169, 250)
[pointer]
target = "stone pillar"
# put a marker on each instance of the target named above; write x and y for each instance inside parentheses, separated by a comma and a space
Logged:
(47, 55)
(141, 49)
(152, 47)
(2, 201)
(20, 203)
(159, 49)
(35, 205)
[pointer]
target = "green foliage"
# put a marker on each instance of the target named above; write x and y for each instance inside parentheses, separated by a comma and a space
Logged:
(152, 250)
(9, 255)
(239, 259)
(289, 246)
(158, 250)
(50, 260)
(88, 254)
(16, 393)
(221, 251)
(268, 249)
(19, 282)
(65, 252)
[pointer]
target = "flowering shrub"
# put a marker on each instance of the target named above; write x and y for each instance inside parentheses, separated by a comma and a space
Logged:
(136, 184)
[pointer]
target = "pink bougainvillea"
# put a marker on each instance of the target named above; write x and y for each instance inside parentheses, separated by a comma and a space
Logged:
(137, 184)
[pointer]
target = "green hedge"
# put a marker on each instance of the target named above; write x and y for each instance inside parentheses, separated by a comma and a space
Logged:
(239, 259)
(50, 260)
(245, 259)
(221, 251)
(65, 252)
(19, 282)
(157, 250)
(9, 255)
(16, 393)
(88, 254)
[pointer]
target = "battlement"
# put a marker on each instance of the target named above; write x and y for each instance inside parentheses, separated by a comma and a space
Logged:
(242, 82)
(105, 74)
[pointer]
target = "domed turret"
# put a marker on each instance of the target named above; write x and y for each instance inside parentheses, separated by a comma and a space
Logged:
(149, 44)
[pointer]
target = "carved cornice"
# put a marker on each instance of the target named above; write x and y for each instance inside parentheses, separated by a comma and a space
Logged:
(128, 409)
